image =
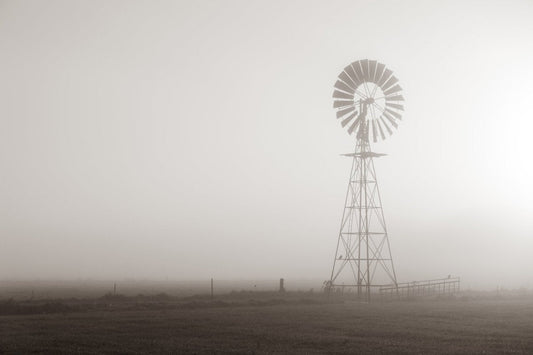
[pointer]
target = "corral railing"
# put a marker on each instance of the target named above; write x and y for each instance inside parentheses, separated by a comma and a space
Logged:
(447, 286)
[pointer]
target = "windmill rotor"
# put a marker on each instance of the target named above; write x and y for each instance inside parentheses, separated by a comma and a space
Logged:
(368, 100)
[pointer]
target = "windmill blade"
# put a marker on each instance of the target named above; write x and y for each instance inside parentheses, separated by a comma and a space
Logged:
(387, 126)
(354, 125)
(342, 95)
(386, 75)
(394, 98)
(381, 131)
(372, 69)
(351, 73)
(392, 90)
(393, 80)
(357, 67)
(344, 77)
(394, 113)
(374, 132)
(396, 106)
(358, 78)
(347, 120)
(343, 87)
(364, 66)
(379, 72)
(345, 111)
(391, 119)
(342, 103)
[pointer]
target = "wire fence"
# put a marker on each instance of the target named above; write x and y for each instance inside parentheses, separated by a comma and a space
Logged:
(446, 286)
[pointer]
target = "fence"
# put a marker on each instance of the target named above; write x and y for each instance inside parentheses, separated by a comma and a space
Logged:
(447, 286)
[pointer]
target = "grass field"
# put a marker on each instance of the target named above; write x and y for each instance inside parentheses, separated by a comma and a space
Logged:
(263, 322)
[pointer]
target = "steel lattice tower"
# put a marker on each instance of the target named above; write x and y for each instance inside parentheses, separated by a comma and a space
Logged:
(368, 100)
(363, 257)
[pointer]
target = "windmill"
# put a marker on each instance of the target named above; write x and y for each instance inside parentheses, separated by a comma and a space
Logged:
(368, 101)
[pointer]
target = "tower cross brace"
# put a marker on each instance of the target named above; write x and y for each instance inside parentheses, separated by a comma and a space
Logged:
(363, 258)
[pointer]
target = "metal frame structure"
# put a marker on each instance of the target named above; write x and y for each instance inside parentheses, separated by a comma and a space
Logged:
(368, 101)
(363, 248)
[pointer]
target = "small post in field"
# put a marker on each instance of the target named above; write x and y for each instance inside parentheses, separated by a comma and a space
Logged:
(212, 293)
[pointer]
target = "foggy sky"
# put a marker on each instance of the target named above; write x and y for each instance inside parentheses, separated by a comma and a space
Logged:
(195, 139)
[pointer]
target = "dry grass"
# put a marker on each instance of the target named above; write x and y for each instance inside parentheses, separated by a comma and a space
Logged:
(269, 323)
